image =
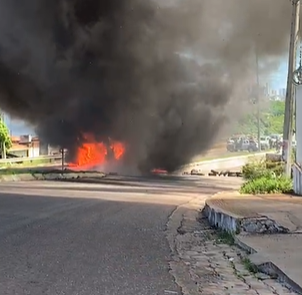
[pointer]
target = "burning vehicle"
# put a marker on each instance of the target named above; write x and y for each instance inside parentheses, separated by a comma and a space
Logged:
(92, 153)
(96, 155)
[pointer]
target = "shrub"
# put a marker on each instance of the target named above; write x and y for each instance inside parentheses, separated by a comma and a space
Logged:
(267, 185)
(265, 177)
(276, 167)
(252, 170)
(261, 168)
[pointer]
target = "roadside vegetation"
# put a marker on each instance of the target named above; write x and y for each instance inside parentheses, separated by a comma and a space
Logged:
(249, 266)
(271, 120)
(225, 237)
(22, 168)
(5, 140)
(16, 171)
(265, 177)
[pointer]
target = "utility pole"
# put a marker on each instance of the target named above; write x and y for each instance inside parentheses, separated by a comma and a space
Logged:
(289, 100)
(63, 159)
(258, 100)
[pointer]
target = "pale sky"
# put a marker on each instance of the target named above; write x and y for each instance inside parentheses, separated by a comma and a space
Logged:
(278, 79)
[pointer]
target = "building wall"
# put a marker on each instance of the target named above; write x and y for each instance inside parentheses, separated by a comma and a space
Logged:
(44, 149)
(34, 148)
(34, 152)
(26, 146)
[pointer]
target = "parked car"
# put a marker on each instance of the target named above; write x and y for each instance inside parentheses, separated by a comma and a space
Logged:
(274, 140)
(242, 144)
(264, 143)
(253, 146)
(231, 144)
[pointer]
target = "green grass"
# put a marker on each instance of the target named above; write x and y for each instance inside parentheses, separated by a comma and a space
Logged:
(22, 168)
(267, 185)
(36, 162)
(26, 164)
(35, 170)
(224, 237)
(29, 163)
(16, 171)
(249, 266)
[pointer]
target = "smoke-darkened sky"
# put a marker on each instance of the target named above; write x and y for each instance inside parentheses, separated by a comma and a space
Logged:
(113, 68)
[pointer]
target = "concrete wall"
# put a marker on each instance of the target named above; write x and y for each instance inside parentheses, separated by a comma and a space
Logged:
(297, 179)
(297, 172)
(299, 124)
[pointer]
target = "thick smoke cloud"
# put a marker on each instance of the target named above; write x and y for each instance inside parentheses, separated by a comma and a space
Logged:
(120, 69)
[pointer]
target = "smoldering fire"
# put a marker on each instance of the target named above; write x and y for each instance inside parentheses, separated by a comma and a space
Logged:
(120, 69)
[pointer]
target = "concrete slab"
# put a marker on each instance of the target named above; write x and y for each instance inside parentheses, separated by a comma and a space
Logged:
(284, 251)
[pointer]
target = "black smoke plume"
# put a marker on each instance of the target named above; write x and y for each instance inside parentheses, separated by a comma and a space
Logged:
(157, 75)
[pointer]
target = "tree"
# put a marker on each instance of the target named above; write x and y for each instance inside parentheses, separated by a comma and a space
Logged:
(277, 108)
(275, 117)
(271, 120)
(5, 140)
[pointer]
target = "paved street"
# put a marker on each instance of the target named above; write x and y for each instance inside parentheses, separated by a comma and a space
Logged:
(77, 238)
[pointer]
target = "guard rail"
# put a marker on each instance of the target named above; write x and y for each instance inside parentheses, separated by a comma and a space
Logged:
(223, 163)
(31, 159)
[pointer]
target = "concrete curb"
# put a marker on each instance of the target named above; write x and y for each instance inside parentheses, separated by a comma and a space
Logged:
(219, 219)
(226, 221)
(16, 177)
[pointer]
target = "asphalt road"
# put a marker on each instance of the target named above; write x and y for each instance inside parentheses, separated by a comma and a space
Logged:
(89, 239)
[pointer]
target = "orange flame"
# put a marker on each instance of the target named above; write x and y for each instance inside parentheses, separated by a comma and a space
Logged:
(118, 149)
(93, 153)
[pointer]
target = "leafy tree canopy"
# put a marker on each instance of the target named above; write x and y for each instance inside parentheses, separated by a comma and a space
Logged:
(271, 120)
(4, 135)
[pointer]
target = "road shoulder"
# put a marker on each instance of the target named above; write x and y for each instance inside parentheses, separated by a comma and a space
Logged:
(268, 227)
(204, 263)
